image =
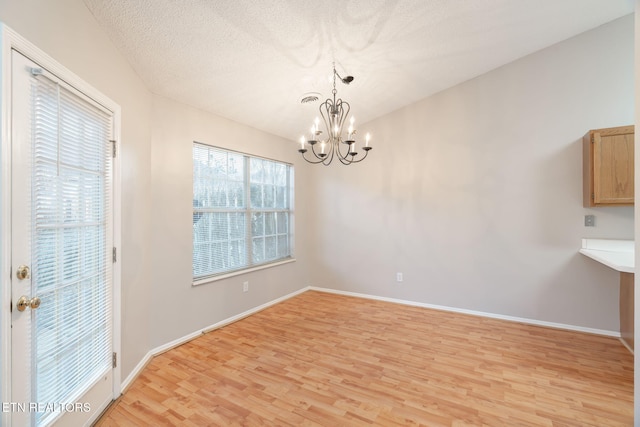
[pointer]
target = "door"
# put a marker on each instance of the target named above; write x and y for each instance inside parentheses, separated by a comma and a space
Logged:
(61, 251)
(613, 166)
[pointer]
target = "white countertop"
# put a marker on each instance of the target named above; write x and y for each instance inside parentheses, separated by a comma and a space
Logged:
(616, 254)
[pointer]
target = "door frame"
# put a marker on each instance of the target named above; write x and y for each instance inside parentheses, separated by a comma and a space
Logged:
(10, 40)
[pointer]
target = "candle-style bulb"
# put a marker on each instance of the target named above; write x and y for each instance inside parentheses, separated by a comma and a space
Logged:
(302, 142)
(367, 139)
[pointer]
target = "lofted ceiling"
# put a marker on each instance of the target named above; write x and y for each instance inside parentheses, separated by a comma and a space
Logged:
(253, 60)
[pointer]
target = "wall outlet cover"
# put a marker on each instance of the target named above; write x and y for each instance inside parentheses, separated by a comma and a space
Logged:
(589, 220)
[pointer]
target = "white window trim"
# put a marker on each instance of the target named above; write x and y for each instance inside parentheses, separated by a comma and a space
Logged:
(210, 279)
(10, 40)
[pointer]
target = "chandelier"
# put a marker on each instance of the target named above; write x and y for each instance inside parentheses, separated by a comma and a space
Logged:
(334, 114)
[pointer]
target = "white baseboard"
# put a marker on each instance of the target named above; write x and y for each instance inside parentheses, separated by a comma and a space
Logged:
(624, 343)
(474, 313)
(135, 372)
(175, 343)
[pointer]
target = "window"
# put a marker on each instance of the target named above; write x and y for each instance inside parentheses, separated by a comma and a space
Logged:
(242, 211)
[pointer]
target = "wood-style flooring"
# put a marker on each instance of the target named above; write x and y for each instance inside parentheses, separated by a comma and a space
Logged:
(320, 359)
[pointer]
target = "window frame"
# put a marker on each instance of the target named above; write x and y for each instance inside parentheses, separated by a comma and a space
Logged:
(248, 212)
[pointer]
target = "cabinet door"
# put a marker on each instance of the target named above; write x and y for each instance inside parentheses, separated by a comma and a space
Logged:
(613, 168)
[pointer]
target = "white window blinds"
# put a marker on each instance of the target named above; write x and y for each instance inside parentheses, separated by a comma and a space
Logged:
(241, 211)
(71, 241)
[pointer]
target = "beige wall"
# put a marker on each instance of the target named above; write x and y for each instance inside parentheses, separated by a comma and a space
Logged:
(475, 193)
(178, 307)
(66, 30)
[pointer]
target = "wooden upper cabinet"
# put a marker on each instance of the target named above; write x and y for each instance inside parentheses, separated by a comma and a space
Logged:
(608, 167)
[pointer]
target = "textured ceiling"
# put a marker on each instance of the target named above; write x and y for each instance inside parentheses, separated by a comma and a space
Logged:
(252, 60)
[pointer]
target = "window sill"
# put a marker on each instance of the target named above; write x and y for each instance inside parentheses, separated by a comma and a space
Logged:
(239, 272)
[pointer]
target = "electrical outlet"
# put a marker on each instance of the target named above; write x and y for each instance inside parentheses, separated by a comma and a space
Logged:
(589, 220)
(398, 277)
(245, 287)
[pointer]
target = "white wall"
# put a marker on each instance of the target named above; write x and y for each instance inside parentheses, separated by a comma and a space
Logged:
(475, 193)
(66, 30)
(179, 308)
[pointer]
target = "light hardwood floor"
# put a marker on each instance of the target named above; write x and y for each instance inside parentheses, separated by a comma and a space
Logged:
(320, 359)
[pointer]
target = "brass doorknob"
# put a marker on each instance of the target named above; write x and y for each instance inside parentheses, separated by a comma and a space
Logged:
(22, 272)
(24, 302)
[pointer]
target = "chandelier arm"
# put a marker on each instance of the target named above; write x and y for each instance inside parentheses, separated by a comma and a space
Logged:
(317, 155)
(366, 153)
(326, 116)
(344, 159)
(326, 160)
(329, 158)
(311, 161)
(344, 113)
